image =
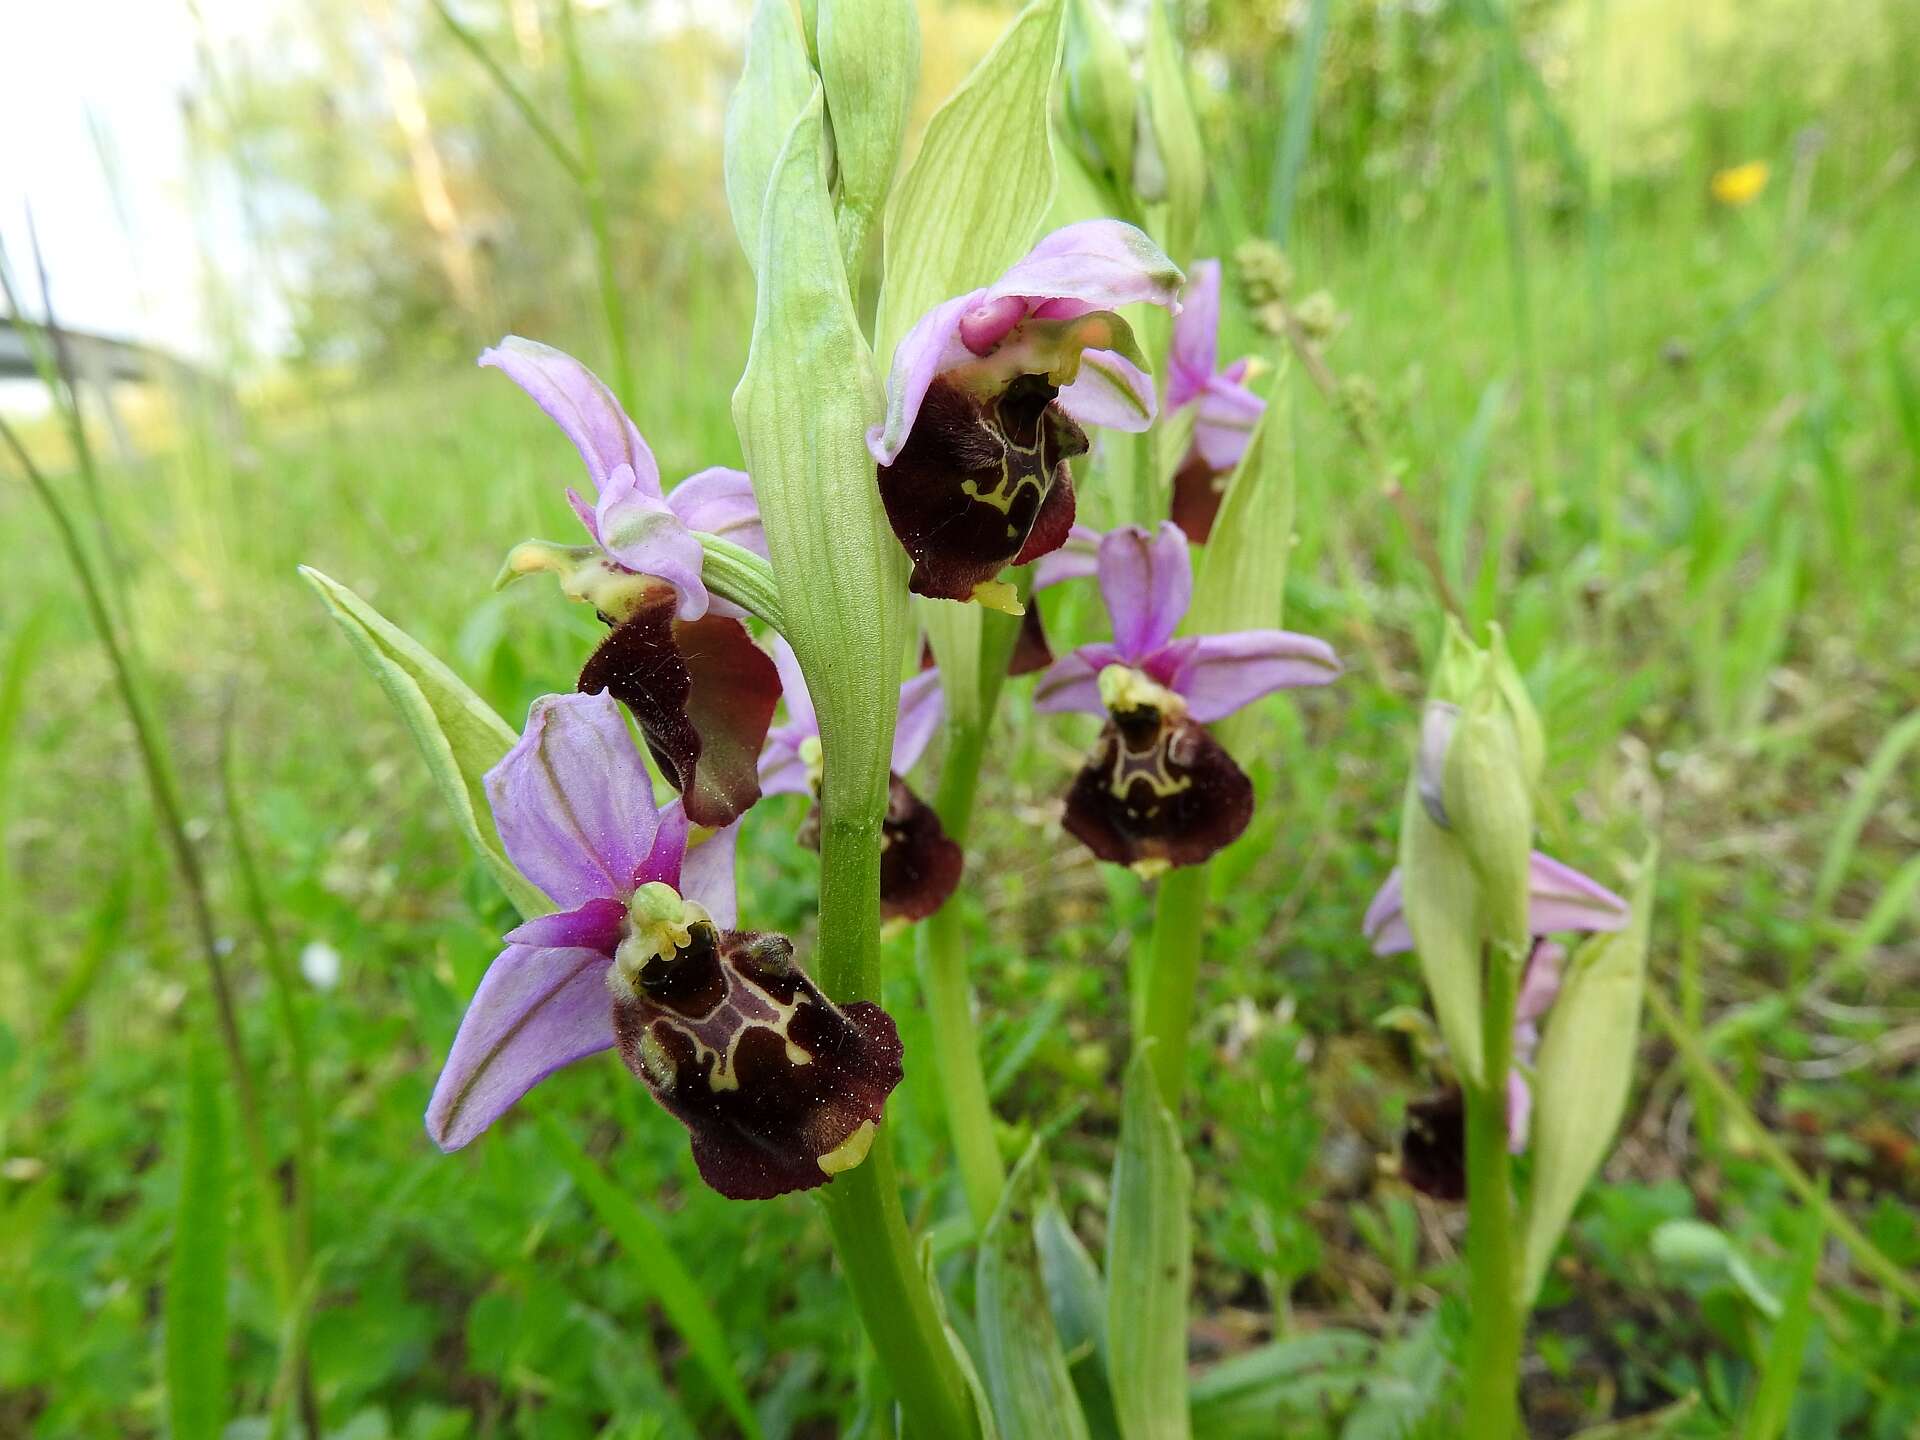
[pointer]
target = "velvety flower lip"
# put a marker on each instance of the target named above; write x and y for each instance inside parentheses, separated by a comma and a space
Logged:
(920, 866)
(704, 694)
(636, 527)
(1159, 790)
(778, 1088)
(1560, 900)
(986, 398)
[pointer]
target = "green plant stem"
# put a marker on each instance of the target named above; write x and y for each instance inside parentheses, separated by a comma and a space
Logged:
(1493, 1344)
(863, 1205)
(943, 975)
(613, 306)
(166, 804)
(1699, 1063)
(1180, 909)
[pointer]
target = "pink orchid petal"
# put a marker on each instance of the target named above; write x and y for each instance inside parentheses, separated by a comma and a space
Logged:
(919, 717)
(1111, 392)
(573, 803)
(721, 502)
(1147, 582)
(643, 534)
(596, 925)
(576, 400)
(1196, 334)
(1073, 681)
(1224, 672)
(1075, 560)
(535, 1011)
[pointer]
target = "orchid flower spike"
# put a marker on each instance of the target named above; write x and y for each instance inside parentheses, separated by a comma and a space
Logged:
(1225, 411)
(779, 1088)
(1560, 900)
(677, 657)
(1159, 791)
(919, 864)
(987, 397)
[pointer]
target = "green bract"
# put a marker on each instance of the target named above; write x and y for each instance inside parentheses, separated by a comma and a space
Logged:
(1583, 1074)
(773, 87)
(1489, 810)
(869, 62)
(1176, 132)
(1441, 899)
(458, 733)
(1101, 103)
(1148, 1264)
(988, 156)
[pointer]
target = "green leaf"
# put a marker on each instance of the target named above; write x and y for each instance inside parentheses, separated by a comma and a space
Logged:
(870, 65)
(458, 733)
(1078, 1297)
(1026, 1370)
(1773, 1392)
(1175, 127)
(963, 1361)
(1860, 806)
(653, 1260)
(1584, 1073)
(1295, 1379)
(802, 410)
(775, 81)
(196, 1305)
(988, 156)
(1148, 1264)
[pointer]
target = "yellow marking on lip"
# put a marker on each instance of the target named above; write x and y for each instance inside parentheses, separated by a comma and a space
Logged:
(849, 1152)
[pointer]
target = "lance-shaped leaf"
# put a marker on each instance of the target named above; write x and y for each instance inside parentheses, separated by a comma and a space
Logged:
(1583, 1075)
(869, 63)
(196, 1305)
(1175, 128)
(1078, 1297)
(774, 85)
(1149, 1264)
(987, 155)
(1026, 1370)
(802, 409)
(458, 733)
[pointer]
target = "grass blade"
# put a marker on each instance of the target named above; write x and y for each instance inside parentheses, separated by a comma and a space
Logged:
(1860, 805)
(651, 1256)
(196, 1305)
(1766, 1417)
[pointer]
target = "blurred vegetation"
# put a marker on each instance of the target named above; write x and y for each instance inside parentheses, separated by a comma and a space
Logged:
(1684, 472)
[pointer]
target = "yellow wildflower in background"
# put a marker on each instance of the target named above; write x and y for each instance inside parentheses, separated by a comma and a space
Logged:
(1741, 184)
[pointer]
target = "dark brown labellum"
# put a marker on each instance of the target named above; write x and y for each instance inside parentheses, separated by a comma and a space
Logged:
(1433, 1151)
(1159, 791)
(779, 1088)
(704, 695)
(1031, 652)
(1197, 491)
(981, 484)
(919, 865)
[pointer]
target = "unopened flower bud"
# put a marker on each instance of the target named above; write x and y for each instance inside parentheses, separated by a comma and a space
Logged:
(1458, 672)
(1487, 803)
(1527, 729)
(1437, 724)
(1101, 103)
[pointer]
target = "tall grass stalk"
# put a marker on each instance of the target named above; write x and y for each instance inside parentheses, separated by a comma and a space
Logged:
(1297, 130)
(593, 191)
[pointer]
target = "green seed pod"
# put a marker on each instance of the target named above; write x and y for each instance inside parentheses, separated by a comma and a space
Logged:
(1099, 92)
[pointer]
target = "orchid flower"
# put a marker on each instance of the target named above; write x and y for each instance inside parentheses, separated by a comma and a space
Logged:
(986, 400)
(919, 865)
(677, 657)
(779, 1088)
(1224, 409)
(1159, 791)
(1075, 560)
(1560, 900)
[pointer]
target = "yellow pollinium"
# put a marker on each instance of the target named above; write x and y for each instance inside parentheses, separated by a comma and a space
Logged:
(850, 1151)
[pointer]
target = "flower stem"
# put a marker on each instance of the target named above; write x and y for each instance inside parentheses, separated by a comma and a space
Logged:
(943, 976)
(863, 1205)
(1493, 1346)
(1179, 909)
